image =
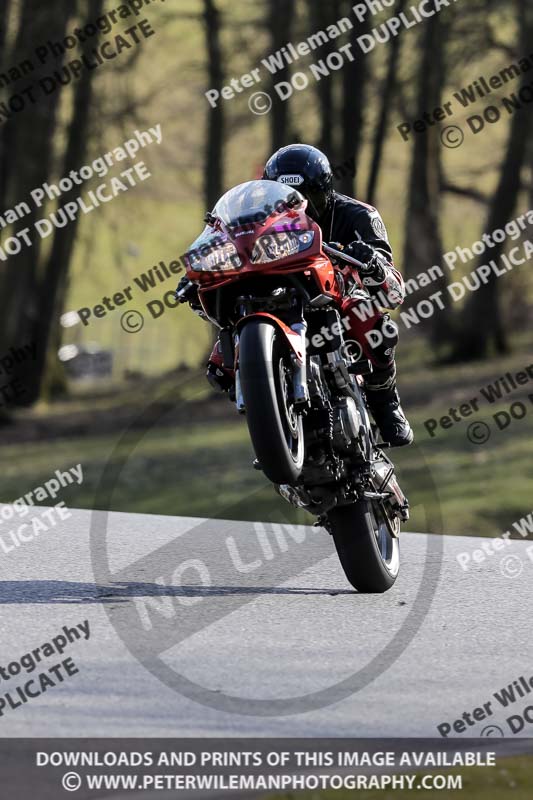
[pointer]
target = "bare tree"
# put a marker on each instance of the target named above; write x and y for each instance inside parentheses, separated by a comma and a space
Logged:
(5, 58)
(321, 14)
(423, 243)
(355, 77)
(4, 18)
(386, 94)
(28, 145)
(214, 163)
(4, 63)
(480, 324)
(52, 287)
(280, 22)
(341, 95)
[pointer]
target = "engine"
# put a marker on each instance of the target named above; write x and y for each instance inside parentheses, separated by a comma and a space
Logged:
(347, 424)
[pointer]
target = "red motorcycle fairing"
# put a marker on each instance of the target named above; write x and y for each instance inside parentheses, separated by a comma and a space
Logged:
(294, 339)
(312, 262)
(235, 247)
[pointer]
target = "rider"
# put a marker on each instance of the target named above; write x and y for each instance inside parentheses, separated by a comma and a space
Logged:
(359, 230)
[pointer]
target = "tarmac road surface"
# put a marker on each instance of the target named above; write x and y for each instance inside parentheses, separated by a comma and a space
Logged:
(249, 629)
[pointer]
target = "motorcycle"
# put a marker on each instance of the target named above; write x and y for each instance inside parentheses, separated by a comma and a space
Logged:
(274, 290)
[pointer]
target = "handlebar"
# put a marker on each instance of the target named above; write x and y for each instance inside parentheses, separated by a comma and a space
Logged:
(339, 254)
(180, 293)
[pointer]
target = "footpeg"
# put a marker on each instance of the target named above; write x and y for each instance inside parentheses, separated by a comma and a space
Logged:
(403, 512)
(376, 495)
(296, 497)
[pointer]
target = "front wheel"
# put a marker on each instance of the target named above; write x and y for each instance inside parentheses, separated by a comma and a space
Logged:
(274, 421)
(369, 554)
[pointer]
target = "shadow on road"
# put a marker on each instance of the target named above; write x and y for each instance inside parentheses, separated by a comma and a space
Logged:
(13, 592)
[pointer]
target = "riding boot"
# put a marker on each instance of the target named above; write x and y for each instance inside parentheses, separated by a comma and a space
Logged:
(383, 401)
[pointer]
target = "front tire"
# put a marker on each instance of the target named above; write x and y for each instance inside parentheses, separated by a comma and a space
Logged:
(274, 423)
(369, 554)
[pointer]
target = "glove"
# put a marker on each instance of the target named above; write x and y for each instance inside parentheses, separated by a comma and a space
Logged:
(191, 295)
(374, 264)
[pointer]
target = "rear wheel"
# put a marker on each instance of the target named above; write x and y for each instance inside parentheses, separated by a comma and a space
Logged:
(274, 421)
(369, 554)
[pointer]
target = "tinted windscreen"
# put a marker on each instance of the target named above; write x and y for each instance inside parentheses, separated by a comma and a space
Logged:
(255, 201)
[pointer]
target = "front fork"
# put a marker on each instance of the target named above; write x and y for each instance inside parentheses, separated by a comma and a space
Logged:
(239, 399)
(300, 387)
(298, 350)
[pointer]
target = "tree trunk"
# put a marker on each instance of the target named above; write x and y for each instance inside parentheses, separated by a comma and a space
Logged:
(214, 163)
(480, 323)
(322, 14)
(51, 291)
(5, 62)
(27, 141)
(387, 94)
(281, 18)
(5, 59)
(423, 243)
(355, 76)
(4, 18)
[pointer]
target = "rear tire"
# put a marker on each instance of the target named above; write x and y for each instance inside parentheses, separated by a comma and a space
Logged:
(369, 555)
(274, 423)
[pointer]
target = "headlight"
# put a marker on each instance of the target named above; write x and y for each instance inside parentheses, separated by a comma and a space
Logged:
(220, 258)
(274, 246)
